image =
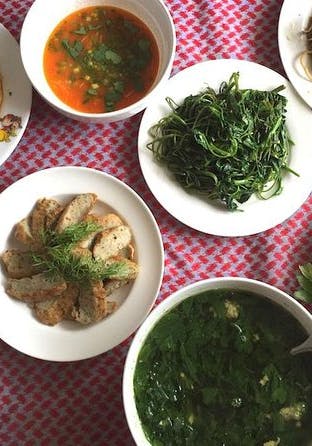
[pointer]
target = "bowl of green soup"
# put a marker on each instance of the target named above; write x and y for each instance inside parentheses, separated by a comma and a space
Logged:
(212, 365)
(98, 60)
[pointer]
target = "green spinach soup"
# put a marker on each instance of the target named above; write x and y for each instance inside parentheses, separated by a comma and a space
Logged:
(216, 370)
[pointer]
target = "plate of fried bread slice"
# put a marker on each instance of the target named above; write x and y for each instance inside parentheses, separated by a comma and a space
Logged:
(81, 263)
(15, 95)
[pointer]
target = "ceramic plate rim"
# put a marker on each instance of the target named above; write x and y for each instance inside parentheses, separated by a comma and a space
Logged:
(20, 100)
(60, 343)
(258, 215)
(292, 16)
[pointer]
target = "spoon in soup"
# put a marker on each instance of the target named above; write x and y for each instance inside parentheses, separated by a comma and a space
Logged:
(305, 347)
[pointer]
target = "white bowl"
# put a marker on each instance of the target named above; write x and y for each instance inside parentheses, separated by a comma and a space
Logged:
(42, 18)
(257, 287)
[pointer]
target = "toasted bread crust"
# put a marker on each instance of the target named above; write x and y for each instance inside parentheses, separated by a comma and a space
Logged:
(18, 264)
(76, 210)
(22, 233)
(105, 222)
(36, 288)
(130, 271)
(54, 310)
(43, 216)
(92, 304)
(110, 242)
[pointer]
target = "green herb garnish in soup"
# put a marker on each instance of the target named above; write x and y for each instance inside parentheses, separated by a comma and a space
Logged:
(101, 59)
(216, 370)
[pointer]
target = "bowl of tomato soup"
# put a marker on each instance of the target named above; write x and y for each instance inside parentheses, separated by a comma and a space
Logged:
(98, 60)
(211, 364)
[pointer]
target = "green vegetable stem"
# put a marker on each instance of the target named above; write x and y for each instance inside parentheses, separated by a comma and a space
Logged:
(226, 145)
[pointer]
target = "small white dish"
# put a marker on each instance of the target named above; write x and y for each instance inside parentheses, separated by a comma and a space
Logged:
(70, 341)
(209, 217)
(17, 90)
(292, 21)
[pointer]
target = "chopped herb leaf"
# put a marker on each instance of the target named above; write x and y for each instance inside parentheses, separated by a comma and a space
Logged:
(74, 50)
(81, 31)
(130, 26)
(94, 27)
(98, 54)
(112, 56)
(119, 86)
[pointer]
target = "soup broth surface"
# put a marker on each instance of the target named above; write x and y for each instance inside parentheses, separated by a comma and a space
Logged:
(216, 370)
(101, 59)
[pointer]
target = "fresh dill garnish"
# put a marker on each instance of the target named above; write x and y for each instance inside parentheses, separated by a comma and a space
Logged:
(58, 257)
(227, 144)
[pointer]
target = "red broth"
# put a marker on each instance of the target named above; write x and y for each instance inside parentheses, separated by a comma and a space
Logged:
(100, 59)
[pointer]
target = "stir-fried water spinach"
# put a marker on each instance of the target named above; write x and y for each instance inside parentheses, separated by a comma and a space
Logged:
(227, 144)
(216, 370)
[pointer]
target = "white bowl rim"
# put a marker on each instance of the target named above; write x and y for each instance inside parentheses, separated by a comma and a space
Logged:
(274, 294)
(128, 111)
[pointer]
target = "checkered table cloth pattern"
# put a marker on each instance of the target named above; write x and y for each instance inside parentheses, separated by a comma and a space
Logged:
(46, 403)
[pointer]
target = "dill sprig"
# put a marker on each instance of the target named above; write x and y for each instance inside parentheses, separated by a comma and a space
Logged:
(227, 144)
(71, 235)
(58, 257)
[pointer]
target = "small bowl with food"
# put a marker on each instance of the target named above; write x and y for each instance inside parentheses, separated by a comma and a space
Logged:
(213, 364)
(98, 60)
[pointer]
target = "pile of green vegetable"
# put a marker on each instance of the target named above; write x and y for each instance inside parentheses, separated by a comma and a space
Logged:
(227, 144)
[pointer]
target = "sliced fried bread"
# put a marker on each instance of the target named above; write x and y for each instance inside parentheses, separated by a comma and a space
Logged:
(36, 288)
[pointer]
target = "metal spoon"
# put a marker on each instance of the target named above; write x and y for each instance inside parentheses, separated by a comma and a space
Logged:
(306, 346)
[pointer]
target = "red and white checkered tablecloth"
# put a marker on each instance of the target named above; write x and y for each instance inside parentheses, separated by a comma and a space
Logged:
(47, 403)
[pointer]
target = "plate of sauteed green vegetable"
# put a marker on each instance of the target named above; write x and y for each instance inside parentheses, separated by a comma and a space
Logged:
(81, 263)
(225, 148)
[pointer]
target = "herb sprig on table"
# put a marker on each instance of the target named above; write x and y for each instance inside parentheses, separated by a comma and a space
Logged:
(304, 278)
(59, 259)
(227, 144)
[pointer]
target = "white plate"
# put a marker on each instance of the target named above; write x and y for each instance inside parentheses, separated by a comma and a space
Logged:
(258, 215)
(17, 90)
(69, 341)
(293, 19)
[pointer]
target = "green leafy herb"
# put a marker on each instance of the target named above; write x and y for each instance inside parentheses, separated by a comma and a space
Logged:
(59, 259)
(74, 49)
(226, 145)
(112, 56)
(304, 278)
(82, 31)
(70, 236)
